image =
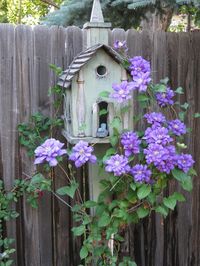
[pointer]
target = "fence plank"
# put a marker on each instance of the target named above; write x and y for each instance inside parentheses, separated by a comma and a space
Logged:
(8, 116)
(44, 236)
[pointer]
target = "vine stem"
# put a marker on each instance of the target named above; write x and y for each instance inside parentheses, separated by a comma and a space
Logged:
(65, 173)
(135, 207)
(116, 183)
(62, 200)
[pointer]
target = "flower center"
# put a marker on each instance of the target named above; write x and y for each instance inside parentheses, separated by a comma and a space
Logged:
(81, 151)
(156, 153)
(121, 92)
(47, 149)
(163, 95)
(117, 163)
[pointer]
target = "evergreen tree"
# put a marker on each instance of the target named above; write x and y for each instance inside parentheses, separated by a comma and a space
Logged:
(77, 12)
(153, 14)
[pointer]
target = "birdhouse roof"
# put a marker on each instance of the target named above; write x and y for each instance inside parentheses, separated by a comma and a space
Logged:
(83, 58)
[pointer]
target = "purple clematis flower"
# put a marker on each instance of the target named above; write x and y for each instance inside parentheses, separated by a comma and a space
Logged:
(118, 164)
(122, 92)
(164, 158)
(165, 98)
(141, 173)
(155, 118)
(120, 45)
(177, 127)
(49, 151)
(157, 135)
(141, 81)
(139, 65)
(130, 142)
(184, 162)
(82, 153)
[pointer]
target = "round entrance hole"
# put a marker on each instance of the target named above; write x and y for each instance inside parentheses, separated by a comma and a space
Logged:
(101, 71)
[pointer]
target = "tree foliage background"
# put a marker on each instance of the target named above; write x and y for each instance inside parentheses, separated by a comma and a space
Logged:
(25, 11)
(122, 13)
(149, 14)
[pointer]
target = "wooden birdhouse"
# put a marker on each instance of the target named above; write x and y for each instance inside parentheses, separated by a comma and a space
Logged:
(87, 115)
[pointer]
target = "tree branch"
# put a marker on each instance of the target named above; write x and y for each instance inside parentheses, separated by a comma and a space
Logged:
(50, 2)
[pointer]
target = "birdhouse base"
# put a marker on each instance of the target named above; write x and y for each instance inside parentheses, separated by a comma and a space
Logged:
(73, 140)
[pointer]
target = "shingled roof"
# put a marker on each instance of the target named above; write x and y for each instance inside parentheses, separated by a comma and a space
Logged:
(81, 59)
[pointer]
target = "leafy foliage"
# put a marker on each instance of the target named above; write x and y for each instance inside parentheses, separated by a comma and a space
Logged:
(75, 12)
(25, 11)
(123, 199)
(129, 13)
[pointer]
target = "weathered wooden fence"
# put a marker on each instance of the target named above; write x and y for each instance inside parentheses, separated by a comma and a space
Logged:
(43, 236)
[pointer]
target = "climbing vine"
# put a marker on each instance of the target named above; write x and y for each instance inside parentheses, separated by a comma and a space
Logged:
(140, 164)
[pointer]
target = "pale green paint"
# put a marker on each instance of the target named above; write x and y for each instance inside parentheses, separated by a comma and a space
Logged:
(94, 174)
(97, 34)
(93, 85)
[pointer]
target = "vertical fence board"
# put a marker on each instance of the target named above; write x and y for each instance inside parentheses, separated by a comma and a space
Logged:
(8, 116)
(43, 236)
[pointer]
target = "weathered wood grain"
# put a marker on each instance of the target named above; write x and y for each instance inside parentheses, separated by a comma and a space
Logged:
(43, 236)
(8, 115)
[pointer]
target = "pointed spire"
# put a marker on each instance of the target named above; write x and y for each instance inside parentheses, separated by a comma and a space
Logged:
(96, 15)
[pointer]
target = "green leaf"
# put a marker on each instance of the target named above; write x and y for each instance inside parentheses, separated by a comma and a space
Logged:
(170, 202)
(78, 231)
(179, 90)
(76, 208)
(186, 181)
(181, 145)
(192, 172)
(104, 219)
(185, 106)
(142, 212)
(68, 190)
(114, 140)
(133, 186)
(38, 178)
(142, 98)
(143, 191)
(178, 196)
(90, 204)
(83, 252)
(110, 151)
(181, 116)
(160, 88)
(104, 94)
(126, 63)
(164, 81)
(197, 115)
(179, 175)
(103, 112)
(116, 123)
(152, 198)
(162, 210)
(187, 184)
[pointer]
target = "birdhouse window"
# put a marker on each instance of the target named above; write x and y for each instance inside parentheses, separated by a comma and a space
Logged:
(102, 131)
(101, 71)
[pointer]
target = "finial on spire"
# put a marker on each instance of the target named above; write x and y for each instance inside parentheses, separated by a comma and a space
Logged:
(96, 15)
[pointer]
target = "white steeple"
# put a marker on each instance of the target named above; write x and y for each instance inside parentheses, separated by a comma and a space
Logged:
(96, 15)
(97, 29)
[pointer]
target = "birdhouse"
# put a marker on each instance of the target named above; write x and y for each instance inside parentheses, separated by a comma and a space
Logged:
(87, 113)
